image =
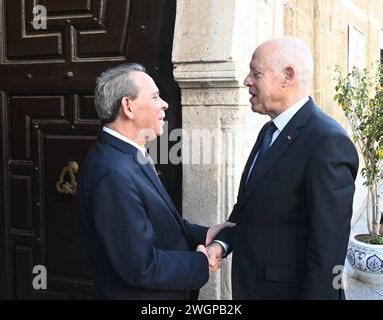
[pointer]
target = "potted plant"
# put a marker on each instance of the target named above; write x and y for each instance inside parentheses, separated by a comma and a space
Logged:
(360, 94)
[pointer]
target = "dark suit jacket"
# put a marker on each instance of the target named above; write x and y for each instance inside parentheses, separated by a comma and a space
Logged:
(293, 217)
(139, 246)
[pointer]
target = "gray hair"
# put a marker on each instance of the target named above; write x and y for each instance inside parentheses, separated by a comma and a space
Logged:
(111, 86)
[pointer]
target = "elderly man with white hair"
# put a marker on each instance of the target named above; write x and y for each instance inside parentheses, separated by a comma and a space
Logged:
(294, 204)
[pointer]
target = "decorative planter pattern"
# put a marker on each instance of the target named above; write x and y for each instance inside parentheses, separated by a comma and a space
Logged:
(366, 260)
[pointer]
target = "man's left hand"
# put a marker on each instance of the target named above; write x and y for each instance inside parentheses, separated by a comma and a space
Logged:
(214, 230)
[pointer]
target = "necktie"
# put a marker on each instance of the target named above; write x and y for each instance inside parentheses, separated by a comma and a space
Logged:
(266, 140)
(265, 145)
(150, 161)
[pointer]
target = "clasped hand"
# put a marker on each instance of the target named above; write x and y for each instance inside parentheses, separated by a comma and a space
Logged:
(214, 251)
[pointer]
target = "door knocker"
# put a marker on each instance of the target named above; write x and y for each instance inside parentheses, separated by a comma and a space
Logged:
(68, 187)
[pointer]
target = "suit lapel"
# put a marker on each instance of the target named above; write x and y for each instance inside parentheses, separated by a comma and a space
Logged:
(149, 172)
(250, 161)
(280, 146)
(146, 168)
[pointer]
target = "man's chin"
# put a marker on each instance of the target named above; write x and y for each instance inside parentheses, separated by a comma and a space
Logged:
(258, 108)
(255, 108)
(156, 134)
(152, 137)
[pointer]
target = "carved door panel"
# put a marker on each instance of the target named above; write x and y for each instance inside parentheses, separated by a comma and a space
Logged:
(47, 117)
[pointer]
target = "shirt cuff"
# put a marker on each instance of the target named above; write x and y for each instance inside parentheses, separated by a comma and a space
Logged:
(224, 245)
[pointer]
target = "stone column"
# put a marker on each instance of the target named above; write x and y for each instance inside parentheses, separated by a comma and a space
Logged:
(212, 48)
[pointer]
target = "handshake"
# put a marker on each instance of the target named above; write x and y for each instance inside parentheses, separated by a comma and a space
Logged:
(212, 250)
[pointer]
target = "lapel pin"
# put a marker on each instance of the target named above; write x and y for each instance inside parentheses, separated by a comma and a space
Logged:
(288, 137)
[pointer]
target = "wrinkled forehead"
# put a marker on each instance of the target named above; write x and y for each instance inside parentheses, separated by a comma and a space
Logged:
(257, 61)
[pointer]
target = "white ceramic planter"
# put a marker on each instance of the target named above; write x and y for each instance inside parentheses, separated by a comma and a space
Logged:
(366, 260)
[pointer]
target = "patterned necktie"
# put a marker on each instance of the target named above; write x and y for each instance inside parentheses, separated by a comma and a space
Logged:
(265, 145)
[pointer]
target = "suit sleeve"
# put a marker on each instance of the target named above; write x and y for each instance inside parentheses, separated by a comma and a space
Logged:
(196, 233)
(329, 191)
(121, 224)
(227, 234)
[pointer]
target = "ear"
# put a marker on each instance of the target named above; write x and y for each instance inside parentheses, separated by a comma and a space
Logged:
(289, 73)
(127, 108)
(288, 76)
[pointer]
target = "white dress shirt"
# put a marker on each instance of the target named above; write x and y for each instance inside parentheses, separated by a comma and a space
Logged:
(125, 139)
(283, 119)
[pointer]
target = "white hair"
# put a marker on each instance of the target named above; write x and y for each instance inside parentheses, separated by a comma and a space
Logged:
(292, 51)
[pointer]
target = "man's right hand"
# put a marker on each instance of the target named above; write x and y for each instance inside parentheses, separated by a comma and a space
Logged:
(214, 254)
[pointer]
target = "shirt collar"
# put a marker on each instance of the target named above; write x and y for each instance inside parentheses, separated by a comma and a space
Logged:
(281, 120)
(125, 139)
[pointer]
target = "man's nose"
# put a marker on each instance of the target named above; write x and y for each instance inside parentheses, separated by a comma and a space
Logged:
(247, 82)
(165, 105)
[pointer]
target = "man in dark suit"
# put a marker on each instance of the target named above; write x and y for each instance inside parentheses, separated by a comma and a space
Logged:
(139, 246)
(294, 204)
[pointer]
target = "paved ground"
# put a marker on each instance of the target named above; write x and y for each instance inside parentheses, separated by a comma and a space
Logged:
(354, 288)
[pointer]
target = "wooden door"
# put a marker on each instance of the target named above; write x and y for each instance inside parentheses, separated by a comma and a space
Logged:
(47, 117)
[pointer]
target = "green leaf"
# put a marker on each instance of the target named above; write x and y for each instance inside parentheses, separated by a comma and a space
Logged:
(377, 240)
